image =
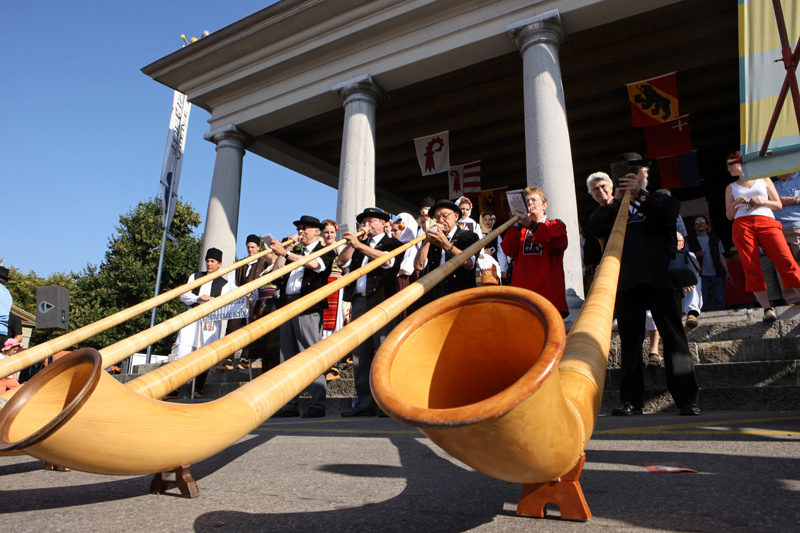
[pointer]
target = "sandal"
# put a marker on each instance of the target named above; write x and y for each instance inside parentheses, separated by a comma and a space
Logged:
(227, 364)
(332, 374)
(654, 360)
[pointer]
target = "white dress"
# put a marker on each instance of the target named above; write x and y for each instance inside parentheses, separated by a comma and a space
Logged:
(188, 339)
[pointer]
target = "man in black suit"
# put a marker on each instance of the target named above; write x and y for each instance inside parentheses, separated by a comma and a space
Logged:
(303, 330)
(367, 292)
(446, 240)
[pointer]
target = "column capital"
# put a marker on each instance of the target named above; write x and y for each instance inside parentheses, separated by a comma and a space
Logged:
(545, 28)
(229, 135)
(361, 88)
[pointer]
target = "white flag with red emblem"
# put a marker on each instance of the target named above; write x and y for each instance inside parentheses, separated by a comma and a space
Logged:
(465, 180)
(433, 153)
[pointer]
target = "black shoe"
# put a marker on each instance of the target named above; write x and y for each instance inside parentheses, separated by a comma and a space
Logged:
(359, 412)
(314, 412)
(286, 413)
(626, 409)
(690, 409)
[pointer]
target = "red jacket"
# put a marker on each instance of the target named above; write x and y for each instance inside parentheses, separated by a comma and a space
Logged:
(539, 262)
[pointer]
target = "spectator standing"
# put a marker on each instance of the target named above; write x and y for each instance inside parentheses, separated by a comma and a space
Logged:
(537, 244)
(788, 188)
(713, 267)
(645, 284)
(750, 205)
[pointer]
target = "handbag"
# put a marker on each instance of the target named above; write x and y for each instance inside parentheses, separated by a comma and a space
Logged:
(683, 270)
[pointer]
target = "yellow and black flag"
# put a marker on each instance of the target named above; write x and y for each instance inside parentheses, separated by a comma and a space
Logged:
(654, 101)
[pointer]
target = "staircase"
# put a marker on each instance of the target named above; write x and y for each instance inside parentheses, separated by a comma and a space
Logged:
(742, 363)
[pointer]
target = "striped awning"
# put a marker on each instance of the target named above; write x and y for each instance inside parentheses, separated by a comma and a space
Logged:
(761, 75)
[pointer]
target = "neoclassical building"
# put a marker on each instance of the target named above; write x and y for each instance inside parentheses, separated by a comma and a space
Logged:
(337, 90)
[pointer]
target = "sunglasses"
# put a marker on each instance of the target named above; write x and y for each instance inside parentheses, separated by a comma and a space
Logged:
(697, 222)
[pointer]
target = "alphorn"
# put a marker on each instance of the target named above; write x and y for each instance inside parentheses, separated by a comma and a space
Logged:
(42, 351)
(498, 395)
(75, 415)
(123, 349)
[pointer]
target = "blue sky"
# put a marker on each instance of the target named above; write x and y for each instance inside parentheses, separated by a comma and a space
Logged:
(85, 131)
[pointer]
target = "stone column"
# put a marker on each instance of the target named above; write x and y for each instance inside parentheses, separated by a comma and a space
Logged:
(222, 217)
(547, 147)
(357, 164)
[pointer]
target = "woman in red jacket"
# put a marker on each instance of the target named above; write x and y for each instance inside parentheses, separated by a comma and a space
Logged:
(537, 246)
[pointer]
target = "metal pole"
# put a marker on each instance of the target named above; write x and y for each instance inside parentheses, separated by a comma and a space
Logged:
(158, 287)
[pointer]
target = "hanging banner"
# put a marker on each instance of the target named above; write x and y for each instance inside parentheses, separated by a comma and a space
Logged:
(495, 201)
(464, 180)
(173, 157)
(653, 101)
(669, 138)
(761, 77)
(679, 171)
(433, 153)
(237, 309)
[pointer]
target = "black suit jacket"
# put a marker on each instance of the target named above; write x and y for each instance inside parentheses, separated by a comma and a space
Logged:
(461, 278)
(381, 282)
(311, 282)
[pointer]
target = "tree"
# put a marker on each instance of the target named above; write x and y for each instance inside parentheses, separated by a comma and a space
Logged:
(127, 275)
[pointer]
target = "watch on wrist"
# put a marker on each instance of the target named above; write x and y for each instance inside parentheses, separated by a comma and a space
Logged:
(796, 200)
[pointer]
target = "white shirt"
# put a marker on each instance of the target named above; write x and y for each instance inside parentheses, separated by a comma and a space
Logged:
(295, 281)
(361, 283)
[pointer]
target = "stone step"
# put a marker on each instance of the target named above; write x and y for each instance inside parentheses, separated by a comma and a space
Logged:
(723, 375)
(721, 399)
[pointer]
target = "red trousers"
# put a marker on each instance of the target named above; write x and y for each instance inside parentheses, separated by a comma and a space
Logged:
(751, 232)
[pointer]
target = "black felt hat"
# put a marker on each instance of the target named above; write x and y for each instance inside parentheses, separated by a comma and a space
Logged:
(254, 239)
(3, 272)
(214, 253)
(444, 203)
(307, 220)
(634, 159)
(373, 212)
(427, 202)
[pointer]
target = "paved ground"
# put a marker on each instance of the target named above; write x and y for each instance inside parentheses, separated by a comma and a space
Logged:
(345, 475)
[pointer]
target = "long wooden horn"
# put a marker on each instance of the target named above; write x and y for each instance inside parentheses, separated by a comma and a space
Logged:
(42, 351)
(478, 372)
(26, 358)
(109, 429)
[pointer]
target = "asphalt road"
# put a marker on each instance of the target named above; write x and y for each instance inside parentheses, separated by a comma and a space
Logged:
(344, 475)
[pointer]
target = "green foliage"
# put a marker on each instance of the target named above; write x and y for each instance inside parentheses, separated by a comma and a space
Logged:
(126, 276)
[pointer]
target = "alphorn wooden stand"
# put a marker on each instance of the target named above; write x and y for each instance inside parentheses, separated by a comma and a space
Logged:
(565, 492)
(181, 477)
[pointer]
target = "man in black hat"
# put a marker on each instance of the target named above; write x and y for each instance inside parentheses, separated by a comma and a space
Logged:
(243, 275)
(367, 292)
(644, 283)
(199, 334)
(304, 330)
(445, 240)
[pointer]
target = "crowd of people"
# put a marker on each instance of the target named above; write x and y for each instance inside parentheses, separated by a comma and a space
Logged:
(529, 255)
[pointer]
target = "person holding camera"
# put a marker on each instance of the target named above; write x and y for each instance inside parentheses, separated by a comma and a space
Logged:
(644, 283)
